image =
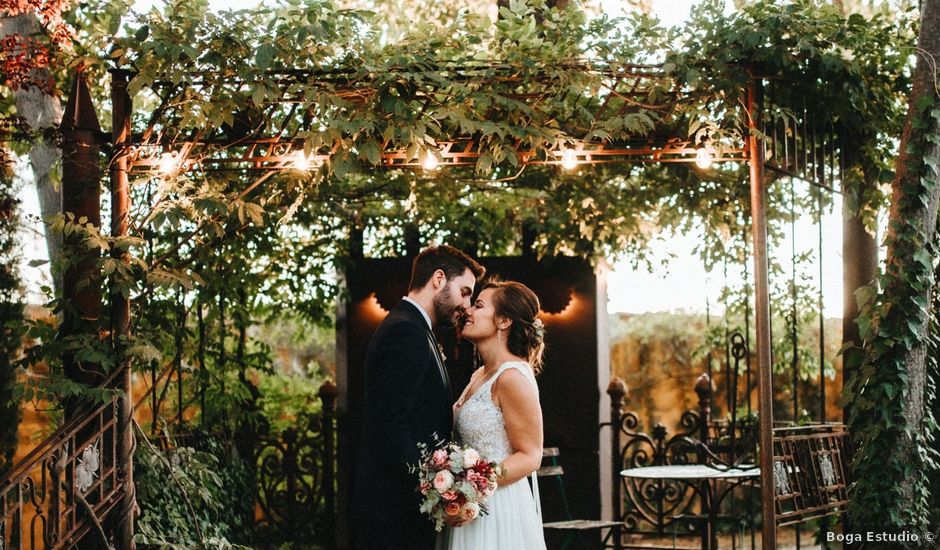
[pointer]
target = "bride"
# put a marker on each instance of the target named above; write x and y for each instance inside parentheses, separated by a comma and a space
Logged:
(499, 415)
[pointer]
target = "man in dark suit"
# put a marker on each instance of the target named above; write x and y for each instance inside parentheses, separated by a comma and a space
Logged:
(408, 400)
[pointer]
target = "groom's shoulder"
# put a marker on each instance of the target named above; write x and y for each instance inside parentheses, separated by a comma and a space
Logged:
(397, 331)
(401, 320)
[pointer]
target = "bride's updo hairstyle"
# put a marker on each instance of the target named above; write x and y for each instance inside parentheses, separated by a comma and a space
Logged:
(517, 302)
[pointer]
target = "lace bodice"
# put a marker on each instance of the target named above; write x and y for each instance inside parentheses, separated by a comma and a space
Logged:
(479, 422)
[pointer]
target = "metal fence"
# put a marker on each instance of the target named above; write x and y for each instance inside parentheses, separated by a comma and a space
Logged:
(63, 490)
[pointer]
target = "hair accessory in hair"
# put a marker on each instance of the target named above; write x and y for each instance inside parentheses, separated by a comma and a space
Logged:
(539, 327)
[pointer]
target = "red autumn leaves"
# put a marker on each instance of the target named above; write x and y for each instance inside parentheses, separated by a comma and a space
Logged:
(25, 59)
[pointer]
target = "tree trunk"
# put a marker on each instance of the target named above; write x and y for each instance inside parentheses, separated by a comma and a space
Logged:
(40, 111)
(859, 268)
(889, 410)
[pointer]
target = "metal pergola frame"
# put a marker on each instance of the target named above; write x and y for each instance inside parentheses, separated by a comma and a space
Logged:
(140, 154)
(275, 154)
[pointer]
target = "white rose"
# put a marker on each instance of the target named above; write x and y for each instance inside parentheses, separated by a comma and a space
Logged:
(470, 457)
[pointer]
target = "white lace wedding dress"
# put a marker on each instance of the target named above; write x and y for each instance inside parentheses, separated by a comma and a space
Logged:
(513, 522)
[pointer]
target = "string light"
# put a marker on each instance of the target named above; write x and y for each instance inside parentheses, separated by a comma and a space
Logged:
(704, 158)
(168, 164)
(569, 159)
(299, 161)
(430, 161)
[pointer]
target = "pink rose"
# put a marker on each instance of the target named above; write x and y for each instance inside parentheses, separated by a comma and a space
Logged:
(439, 458)
(470, 511)
(425, 487)
(443, 480)
(449, 495)
(452, 509)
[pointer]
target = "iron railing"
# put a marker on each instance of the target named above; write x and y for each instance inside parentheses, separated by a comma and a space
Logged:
(655, 505)
(61, 491)
(810, 467)
(295, 476)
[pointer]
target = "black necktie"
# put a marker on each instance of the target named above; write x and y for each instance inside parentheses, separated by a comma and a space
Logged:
(436, 351)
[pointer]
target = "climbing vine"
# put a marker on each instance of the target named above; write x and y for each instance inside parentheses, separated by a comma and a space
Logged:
(890, 396)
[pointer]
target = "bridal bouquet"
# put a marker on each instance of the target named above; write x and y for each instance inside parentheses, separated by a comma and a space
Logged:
(455, 482)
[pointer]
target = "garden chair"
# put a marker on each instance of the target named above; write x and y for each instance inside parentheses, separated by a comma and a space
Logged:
(811, 467)
(575, 527)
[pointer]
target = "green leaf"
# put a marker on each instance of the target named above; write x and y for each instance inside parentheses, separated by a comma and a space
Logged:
(255, 212)
(144, 352)
(264, 56)
(484, 163)
(865, 295)
(370, 150)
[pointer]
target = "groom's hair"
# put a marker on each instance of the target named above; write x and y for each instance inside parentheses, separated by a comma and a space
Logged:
(451, 261)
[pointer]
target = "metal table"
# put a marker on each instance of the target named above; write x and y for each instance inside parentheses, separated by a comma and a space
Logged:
(707, 488)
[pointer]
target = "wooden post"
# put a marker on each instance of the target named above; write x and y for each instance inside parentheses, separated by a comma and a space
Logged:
(762, 322)
(121, 308)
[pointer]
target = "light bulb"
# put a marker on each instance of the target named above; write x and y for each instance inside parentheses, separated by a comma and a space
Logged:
(300, 161)
(167, 163)
(569, 159)
(430, 161)
(704, 158)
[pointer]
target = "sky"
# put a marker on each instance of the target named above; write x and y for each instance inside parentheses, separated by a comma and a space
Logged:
(678, 281)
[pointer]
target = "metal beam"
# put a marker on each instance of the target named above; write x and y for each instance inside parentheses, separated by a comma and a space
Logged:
(120, 308)
(273, 154)
(762, 318)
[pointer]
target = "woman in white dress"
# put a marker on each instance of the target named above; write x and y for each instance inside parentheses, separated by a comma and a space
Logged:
(499, 415)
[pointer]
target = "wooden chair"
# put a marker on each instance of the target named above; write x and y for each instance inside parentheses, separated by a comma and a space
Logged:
(811, 468)
(575, 527)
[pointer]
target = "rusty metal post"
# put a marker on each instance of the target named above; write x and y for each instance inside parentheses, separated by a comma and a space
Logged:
(703, 389)
(327, 395)
(81, 198)
(762, 321)
(617, 390)
(81, 281)
(121, 307)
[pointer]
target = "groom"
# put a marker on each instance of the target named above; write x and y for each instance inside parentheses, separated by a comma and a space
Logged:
(407, 400)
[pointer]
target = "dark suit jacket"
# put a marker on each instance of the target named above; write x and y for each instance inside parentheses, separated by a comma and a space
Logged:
(406, 402)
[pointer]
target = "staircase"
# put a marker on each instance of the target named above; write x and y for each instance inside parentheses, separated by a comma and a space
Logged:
(70, 488)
